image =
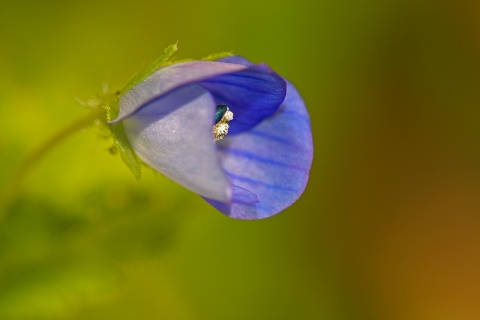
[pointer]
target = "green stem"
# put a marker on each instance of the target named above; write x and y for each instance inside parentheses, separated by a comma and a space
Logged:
(14, 184)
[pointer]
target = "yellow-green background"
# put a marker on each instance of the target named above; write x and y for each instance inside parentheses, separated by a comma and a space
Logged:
(388, 228)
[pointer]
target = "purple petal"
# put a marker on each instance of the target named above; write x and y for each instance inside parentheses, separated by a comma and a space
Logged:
(169, 78)
(173, 135)
(236, 60)
(252, 95)
(272, 161)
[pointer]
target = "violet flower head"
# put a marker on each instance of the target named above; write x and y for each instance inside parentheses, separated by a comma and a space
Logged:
(179, 121)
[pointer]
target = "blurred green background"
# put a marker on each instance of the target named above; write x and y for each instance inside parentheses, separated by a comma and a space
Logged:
(388, 228)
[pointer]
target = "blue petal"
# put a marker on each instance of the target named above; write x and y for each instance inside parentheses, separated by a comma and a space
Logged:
(169, 78)
(252, 95)
(236, 60)
(271, 161)
(173, 134)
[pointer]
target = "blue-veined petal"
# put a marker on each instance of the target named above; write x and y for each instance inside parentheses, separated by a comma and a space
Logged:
(252, 94)
(173, 135)
(271, 161)
(166, 79)
(236, 60)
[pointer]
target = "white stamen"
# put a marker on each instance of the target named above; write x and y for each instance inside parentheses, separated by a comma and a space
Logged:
(220, 129)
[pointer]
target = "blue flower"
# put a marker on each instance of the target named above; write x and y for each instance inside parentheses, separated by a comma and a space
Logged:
(258, 169)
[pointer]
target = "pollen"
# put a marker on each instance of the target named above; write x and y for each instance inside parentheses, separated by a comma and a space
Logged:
(223, 116)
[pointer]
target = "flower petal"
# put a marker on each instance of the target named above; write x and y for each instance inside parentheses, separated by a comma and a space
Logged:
(236, 60)
(271, 161)
(173, 134)
(169, 78)
(252, 95)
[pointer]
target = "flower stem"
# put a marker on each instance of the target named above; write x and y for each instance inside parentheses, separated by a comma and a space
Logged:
(13, 185)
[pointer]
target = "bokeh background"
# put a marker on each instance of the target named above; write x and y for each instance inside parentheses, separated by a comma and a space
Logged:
(388, 228)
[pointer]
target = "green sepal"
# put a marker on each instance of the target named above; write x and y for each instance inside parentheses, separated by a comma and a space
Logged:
(216, 56)
(151, 68)
(212, 57)
(122, 145)
(126, 152)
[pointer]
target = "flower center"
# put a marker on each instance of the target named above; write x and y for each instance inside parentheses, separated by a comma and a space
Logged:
(223, 116)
